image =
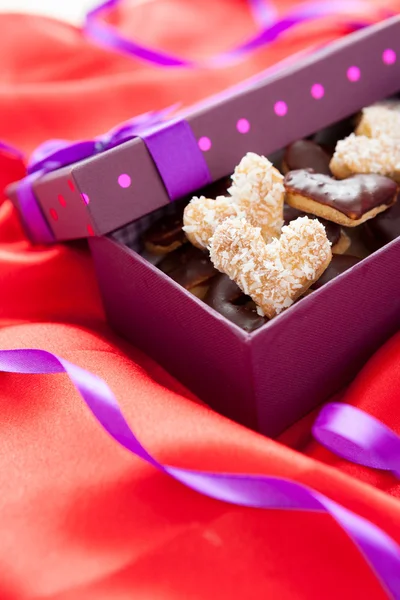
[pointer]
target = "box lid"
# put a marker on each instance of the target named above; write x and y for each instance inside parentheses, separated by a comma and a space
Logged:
(108, 190)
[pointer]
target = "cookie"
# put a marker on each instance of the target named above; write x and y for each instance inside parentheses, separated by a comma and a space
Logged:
(362, 154)
(381, 120)
(256, 193)
(348, 202)
(274, 275)
(306, 154)
(191, 268)
(339, 240)
(384, 228)
(226, 297)
(165, 235)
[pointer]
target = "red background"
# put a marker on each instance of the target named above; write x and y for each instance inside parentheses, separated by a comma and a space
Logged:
(79, 516)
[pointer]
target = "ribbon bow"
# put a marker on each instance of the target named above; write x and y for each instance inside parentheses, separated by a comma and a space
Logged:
(55, 154)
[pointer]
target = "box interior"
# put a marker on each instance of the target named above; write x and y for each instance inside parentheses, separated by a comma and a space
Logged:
(131, 234)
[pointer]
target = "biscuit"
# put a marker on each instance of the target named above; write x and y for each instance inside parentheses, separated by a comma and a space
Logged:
(274, 275)
(256, 193)
(362, 154)
(348, 202)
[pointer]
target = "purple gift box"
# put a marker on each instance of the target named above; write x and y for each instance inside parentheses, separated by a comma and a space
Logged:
(270, 378)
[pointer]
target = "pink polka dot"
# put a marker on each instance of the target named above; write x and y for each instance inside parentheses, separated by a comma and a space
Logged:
(353, 73)
(53, 214)
(280, 108)
(389, 56)
(90, 230)
(71, 185)
(243, 126)
(85, 198)
(317, 91)
(124, 180)
(204, 144)
(61, 200)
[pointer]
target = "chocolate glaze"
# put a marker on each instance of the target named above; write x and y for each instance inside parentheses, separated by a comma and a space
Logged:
(227, 298)
(353, 196)
(188, 266)
(338, 265)
(333, 230)
(385, 227)
(166, 231)
(306, 154)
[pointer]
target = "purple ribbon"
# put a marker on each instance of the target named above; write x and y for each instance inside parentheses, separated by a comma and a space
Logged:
(257, 491)
(55, 154)
(264, 12)
(11, 150)
(358, 437)
(182, 171)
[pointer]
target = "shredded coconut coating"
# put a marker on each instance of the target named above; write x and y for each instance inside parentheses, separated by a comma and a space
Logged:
(202, 215)
(257, 193)
(361, 154)
(257, 187)
(274, 275)
(380, 121)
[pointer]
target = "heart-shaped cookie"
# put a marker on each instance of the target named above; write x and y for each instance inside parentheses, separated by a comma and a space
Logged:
(274, 275)
(306, 154)
(339, 240)
(362, 154)
(380, 120)
(348, 202)
(257, 194)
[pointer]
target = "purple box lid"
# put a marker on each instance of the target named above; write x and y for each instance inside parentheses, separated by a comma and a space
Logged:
(105, 192)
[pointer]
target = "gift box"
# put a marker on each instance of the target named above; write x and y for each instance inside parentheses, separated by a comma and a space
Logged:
(273, 376)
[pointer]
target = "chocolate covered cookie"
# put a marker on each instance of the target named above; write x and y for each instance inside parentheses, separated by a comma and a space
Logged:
(165, 235)
(306, 154)
(190, 267)
(384, 228)
(226, 297)
(348, 202)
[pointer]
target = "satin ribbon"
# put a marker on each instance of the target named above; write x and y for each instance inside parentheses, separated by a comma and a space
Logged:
(256, 491)
(171, 144)
(11, 150)
(358, 437)
(271, 27)
(55, 154)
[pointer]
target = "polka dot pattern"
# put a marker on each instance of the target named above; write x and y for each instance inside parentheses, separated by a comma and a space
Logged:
(317, 91)
(280, 108)
(243, 126)
(85, 198)
(204, 144)
(71, 185)
(90, 230)
(353, 73)
(62, 200)
(124, 180)
(389, 56)
(53, 214)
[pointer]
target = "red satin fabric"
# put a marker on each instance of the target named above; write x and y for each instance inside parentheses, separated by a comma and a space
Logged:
(80, 518)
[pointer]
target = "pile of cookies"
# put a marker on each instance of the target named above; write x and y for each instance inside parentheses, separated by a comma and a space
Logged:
(273, 237)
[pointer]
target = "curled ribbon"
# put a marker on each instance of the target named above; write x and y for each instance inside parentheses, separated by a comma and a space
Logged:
(54, 154)
(11, 150)
(358, 437)
(271, 27)
(257, 491)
